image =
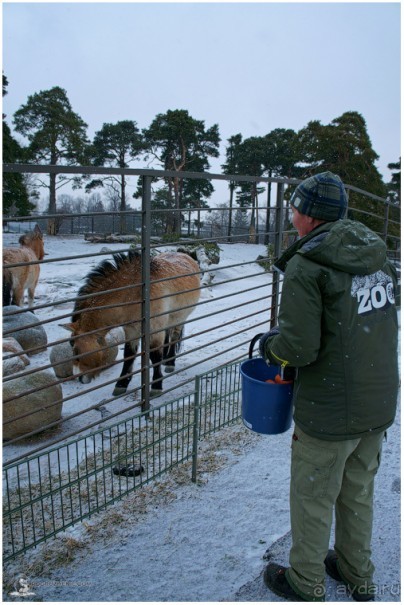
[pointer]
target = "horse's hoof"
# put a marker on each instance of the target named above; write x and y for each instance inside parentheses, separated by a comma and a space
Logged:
(128, 470)
(169, 369)
(118, 391)
(155, 392)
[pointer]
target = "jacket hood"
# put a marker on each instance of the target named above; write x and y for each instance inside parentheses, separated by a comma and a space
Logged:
(345, 245)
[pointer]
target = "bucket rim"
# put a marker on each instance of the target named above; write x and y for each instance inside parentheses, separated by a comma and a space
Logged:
(262, 382)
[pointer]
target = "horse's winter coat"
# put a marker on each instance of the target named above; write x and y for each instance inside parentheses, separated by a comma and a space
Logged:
(25, 277)
(113, 292)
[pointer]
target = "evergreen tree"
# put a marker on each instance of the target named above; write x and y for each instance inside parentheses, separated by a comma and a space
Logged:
(249, 158)
(230, 167)
(394, 186)
(161, 203)
(180, 143)
(194, 194)
(15, 195)
(56, 135)
(240, 222)
(5, 84)
(344, 147)
(282, 154)
(394, 196)
(116, 145)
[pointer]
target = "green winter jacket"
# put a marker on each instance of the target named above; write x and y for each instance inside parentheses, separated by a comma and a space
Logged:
(338, 326)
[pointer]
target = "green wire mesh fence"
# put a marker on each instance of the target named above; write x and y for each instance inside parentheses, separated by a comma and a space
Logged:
(47, 493)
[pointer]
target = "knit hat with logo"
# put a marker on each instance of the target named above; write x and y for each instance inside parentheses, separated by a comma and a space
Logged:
(321, 196)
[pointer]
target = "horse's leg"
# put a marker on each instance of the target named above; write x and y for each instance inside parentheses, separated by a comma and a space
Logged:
(168, 353)
(31, 294)
(31, 289)
(156, 357)
(129, 354)
(172, 344)
(18, 295)
(7, 287)
(157, 346)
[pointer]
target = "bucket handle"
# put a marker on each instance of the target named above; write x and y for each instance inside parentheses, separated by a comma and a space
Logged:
(252, 344)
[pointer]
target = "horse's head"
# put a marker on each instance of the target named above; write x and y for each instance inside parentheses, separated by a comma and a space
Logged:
(34, 240)
(88, 356)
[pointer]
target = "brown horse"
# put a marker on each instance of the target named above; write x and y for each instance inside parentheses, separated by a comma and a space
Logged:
(171, 302)
(26, 277)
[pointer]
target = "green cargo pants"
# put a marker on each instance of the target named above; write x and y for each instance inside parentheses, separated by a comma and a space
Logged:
(327, 475)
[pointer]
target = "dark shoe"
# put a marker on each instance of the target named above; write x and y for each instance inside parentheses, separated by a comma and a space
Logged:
(275, 579)
(331, 568)
(358, 593)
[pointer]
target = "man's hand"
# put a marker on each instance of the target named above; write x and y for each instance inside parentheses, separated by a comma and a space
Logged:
(264, 339)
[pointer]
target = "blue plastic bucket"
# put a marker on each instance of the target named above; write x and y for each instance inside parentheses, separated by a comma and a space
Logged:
(266, 408)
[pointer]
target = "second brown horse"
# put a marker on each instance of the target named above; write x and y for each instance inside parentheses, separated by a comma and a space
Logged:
(25, 277)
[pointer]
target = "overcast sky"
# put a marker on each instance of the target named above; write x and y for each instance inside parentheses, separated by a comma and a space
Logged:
(249, 67)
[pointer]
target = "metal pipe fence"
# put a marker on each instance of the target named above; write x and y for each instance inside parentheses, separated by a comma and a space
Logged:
(59, 471)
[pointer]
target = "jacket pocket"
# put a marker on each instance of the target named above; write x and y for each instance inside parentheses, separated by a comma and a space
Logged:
(311, 469)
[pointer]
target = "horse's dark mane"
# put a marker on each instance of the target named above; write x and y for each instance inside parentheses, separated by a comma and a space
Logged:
(97, 276)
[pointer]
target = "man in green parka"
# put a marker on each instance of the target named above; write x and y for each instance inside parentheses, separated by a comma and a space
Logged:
(338, 327)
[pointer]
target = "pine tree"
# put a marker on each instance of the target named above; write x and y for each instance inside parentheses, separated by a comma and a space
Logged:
(230, 167)
(180, 143)
(394, 186)
(56, 135)
(116, 145)
(344, 148)
(15, 194)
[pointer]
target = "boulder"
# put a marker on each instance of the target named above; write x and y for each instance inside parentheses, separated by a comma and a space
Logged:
(32, 336)
(14, 358)
(12, 347)
(13, 366)
(61, 359)
(114, 338)
(32, 411)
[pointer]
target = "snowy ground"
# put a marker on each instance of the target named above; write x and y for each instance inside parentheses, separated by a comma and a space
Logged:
(178, 541)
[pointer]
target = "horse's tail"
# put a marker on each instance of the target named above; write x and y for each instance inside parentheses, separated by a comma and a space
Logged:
(177, 335)
(172, 343)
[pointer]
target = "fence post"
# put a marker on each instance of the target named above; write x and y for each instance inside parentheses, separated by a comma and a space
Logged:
(277, 252)
(268, 215)
(146, 222)
(195, 436)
